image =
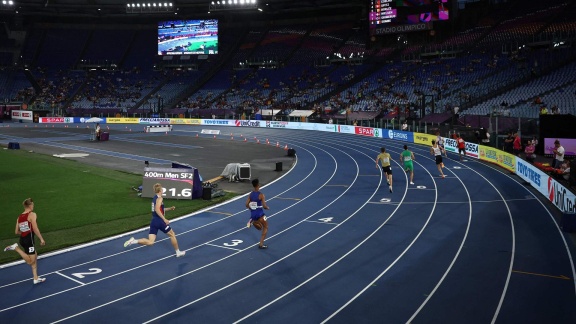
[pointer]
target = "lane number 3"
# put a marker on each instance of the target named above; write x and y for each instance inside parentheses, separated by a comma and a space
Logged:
(234, 243)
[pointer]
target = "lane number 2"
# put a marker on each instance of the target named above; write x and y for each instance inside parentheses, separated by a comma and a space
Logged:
(92, 271)
(326, 220)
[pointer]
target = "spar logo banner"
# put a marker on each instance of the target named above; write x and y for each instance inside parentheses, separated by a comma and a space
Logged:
(398, 135)
(366, 131)
(247, 123)
(472, 149)
(560, 197)
(501, 158)
(425, 139)
(56, 120)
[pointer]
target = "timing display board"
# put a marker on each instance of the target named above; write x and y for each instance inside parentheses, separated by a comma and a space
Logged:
(394, 16)
(176, 183)
(185, 37)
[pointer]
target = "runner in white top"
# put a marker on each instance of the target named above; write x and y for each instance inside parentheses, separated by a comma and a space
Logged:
(436, 150)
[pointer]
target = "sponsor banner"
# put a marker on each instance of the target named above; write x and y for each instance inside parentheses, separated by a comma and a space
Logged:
(346, 129)
(321, 127)
(185, 121)
(425, 139)
(561, 197)
(569, 145)
(277, 124)
(532, 175)
(57, 120)
(501, 158)
(92, 120)
(401, 28)
(154, 121)
(398, 135)
(472, 149)
(21, 115)
(367, 131)
(247, 123)
(218, 122)
(110, 120)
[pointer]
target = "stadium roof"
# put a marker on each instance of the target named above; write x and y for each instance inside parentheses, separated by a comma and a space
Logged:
(110, 8)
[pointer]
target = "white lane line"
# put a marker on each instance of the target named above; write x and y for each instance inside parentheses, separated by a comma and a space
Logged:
(65, 276)
(222, 259)
(164, 258)
(288, 255)
(561, 234)
(223, 247)
(311, 221)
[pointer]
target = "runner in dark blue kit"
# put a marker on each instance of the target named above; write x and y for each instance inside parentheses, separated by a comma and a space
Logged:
(256, 202)
(159, 222)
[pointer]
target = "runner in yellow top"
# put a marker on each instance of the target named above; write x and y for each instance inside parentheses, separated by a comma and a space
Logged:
(385, 158)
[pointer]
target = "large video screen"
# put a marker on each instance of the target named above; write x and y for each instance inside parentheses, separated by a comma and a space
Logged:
(391, 16)
(184, 37)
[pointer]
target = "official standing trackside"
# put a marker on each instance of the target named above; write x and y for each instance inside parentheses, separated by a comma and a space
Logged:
(384, 159)
(158, 223)
(558, 155)
(27, 228)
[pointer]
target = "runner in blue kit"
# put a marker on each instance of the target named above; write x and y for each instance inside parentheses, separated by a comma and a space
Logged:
(256, 202)
(158, 223)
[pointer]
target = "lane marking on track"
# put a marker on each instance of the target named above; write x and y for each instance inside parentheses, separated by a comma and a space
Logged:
(466, 202)
(65, 276)
(336, 185)
(217, 212)
(311, 221)
(287, 198)
(222, 247)
(563, 277)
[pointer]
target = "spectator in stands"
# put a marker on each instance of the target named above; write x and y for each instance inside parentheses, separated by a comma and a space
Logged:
(404, 126)
(558, 155)
(97, 131)
(517, 144)
(485, 137)
(330, 121)
(534, 141)
(543, 110)
(508, 143)
(529, 151)
(565, 169)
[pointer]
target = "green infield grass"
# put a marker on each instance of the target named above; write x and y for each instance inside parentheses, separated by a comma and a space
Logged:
(75, 202)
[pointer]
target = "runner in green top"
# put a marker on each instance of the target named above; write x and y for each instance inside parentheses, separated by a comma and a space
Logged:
(407, 157)
(385, 158)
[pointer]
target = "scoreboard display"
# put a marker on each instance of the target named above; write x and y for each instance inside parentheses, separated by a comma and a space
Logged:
(394, 16)
(176, 183)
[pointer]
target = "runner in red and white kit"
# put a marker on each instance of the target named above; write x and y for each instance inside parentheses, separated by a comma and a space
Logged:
(27, 228)
(461, 147)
